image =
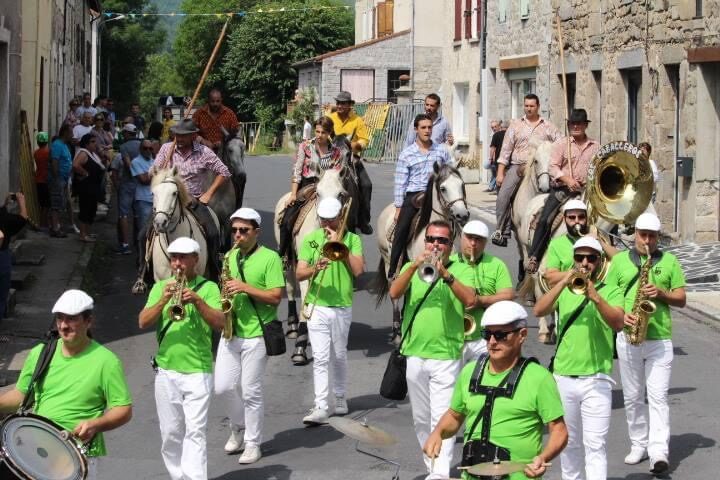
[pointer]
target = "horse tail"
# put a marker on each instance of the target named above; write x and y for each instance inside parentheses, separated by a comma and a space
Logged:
(381, 284)
(526, 287)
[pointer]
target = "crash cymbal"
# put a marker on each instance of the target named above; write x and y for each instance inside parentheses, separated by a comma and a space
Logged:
(502, 467)
(361, 431)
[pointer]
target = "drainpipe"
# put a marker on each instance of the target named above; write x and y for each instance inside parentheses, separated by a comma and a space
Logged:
(412, 45)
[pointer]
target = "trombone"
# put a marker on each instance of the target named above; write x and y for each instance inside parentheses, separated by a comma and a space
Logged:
(334, 251)
(177, 311)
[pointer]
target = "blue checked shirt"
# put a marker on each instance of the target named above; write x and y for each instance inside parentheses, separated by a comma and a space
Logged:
(440, 131)
(413, 169)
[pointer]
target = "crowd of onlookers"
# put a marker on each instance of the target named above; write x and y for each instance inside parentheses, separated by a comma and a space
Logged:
(93, 154)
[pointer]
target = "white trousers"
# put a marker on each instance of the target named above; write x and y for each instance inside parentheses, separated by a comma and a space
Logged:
(587, 402)
(239, 371)
(182, 401)
(473, 350)
(328, 329)
(430, 386)
(646, 366)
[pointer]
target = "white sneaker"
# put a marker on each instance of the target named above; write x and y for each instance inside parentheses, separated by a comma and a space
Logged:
(251, 455)
(316, 416)
(341, 406)
(234, 443)
(636, 455)
(658, 465)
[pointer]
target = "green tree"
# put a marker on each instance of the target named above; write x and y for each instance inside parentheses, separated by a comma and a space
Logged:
(257, 68)
(125, 45)
(159, 78)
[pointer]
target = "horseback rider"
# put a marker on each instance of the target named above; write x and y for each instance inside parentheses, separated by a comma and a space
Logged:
(215, 121)
(314, 156)
(347, 122)
(568, 177)
(193, 161)
(412, 173)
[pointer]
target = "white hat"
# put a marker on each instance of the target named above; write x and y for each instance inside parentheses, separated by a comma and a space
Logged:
(184, 245)
(574, 204)
(246, 213)
(73, 302)
(648, 221)
(129, 127)
(589, 242)
(329, 208)
(476, 227)
(503, 312)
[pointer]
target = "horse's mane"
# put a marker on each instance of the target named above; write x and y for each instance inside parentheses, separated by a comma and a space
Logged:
(426, 208)
(170, 173)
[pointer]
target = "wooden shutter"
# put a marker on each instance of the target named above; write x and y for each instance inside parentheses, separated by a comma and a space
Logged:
(384, 19)
(480, 18)
(502, 11)
(524, 9)
(467, 16)
(458, 20)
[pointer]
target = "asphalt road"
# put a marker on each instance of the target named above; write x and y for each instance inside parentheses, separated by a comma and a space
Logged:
(291, 451)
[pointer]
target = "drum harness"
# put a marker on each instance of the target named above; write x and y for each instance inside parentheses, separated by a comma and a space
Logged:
(43, 362)
(482, 450)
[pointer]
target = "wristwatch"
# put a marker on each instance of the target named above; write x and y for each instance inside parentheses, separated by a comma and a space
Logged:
(449, 280)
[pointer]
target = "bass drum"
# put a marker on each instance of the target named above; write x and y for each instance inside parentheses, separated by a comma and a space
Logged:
(35, 448)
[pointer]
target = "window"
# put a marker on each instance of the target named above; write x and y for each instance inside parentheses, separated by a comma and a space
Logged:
(360, 84)
(394, 83)
(698, 8)
(384, 18)
(88, 57)
(520, 88)
(468, 19)
(461, 113)
(524, 9)
(458, 20)
(633, 82)
(78, 45)
(502, 11)
(477, 19)
(570, 92)
(597, 79)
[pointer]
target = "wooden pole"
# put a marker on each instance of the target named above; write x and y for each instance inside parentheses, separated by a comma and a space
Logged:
(200, 84)
(564, 84)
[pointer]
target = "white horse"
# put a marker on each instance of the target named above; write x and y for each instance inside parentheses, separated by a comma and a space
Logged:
(171, 220)
(330, 185)
(444, 200)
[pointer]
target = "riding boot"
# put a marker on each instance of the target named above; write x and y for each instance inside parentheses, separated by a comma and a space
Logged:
(299, 356)
(212, 234)
(292, 320)
(285, 249)
(402, 232)
(365, 187)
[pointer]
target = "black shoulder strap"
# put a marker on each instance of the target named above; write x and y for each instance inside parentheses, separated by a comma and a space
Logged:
(574, 316)
(417, 309)
(165, 329)
(241, 269)
(43, 362)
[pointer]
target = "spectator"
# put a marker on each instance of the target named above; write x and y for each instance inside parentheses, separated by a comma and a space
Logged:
(155, 131)
(89, 171)
(100, 104)
(143, 194)
(104, 138)
(307, 129)
(59, 177)
(70, 118)
(138, 119)
(168, 123)
(498, 127)
(111, 117)
(130, 120)
(10, 224)
(42, 159)
(86, 107)
(84, 127)
(125, 184)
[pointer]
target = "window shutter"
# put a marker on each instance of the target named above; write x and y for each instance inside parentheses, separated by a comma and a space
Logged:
(458, 20)
(480, 18)
(502, 11)
(524, 9)
(467, 16)
(384, 19)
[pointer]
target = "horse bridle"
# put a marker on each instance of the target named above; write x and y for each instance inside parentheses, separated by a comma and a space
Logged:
(171, 227)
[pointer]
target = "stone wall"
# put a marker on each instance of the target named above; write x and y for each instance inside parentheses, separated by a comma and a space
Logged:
(10, 50)
(428, 71)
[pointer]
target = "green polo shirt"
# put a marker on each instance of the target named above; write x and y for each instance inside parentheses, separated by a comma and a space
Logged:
(263, 269)
(587, 348)
(78, 388)
(518, 422)
(437, 332)
(666, 274)
(560, 253)
(186, 347)
(490, 275)
(337, 283)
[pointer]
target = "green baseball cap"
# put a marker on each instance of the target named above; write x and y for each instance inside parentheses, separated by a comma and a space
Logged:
(42, 137)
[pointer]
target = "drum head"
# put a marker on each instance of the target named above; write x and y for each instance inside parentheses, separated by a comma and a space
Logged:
(37, 449)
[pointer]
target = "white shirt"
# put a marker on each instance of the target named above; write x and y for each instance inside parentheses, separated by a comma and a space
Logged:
(80, 131)
(307, 131)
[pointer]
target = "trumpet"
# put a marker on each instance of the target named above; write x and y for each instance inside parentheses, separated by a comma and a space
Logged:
(427, 271)
(226, 299)
(469, 324)
(334, 251)
(578, 282)
(177, 311)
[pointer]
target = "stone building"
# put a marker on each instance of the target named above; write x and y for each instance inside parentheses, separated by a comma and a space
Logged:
(650, 71)
(10, 47)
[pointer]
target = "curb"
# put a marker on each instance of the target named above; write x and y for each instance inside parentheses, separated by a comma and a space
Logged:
(80, 268)
(705, 311)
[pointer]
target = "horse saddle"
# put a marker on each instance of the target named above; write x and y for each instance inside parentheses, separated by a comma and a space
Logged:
(305, 193)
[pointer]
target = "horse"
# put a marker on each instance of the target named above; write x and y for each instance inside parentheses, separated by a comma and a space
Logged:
(171, 219)
(232, 154)
(444, 200)
(330, 185)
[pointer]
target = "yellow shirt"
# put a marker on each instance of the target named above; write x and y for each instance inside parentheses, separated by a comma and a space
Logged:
(167, 125)
(354, 127)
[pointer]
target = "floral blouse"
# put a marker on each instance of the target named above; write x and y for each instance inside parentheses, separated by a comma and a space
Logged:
(310, 163)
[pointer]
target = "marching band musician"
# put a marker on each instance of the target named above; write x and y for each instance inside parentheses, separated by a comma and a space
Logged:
(504, 400)
(648, 364)
(433, 344)
(329, 297)
(584, 358)
(84, 388)
(183, 364)
(492, 282)
(256, 290)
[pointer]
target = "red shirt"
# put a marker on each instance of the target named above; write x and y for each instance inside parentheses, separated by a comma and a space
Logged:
(209, 125)
(42, 158)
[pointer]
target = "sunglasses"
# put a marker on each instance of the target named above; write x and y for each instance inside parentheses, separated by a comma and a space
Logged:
(440, 240)
(591, 257)
(576, 217)
(243, 230)
(499, 336)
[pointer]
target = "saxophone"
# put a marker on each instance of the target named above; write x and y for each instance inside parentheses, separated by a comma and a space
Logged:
(642, 307)
(177, 311)
(226, 299)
